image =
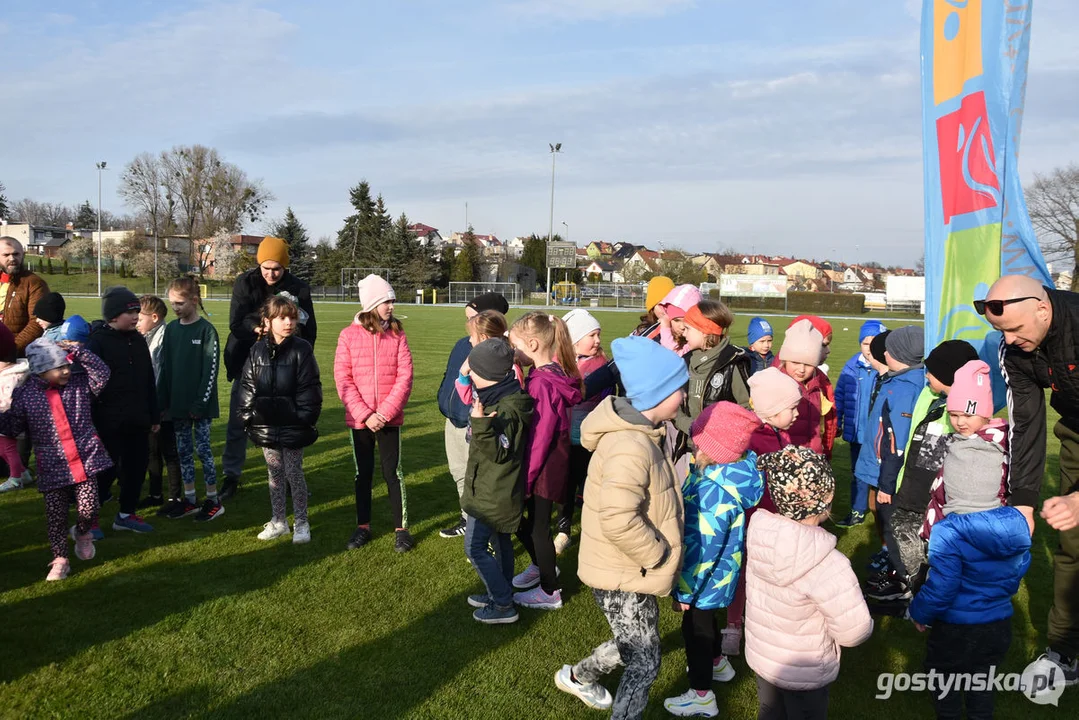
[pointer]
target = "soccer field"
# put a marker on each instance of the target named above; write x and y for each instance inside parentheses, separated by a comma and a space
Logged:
(204, 620)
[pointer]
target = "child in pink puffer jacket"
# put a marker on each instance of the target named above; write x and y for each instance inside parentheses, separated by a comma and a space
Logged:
(803, 601)
(373, 372)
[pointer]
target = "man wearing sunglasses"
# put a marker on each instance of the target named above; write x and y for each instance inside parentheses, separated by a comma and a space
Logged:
(1041, 350)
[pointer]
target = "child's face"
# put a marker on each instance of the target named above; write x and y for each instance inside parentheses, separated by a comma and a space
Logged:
(880, 367)
(283, 326)
(784, 419)
(183, 307)
(936, 385)
(667, 409)
(893, 364)
(58, 376)
(799, 371)
(589, 345)
(763, 346)
(827, 347)
(481, 383)
(678, 328)
(695, 339)
(866, 355)
(525, 347)
(125, 322)
(43, 324)
(384, 311)
(147, 322)
(967, 425)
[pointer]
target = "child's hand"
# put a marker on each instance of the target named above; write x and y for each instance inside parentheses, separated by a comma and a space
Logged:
(919, 627)
(477, 409)
(465, 368)
(374, 422)
(678, 606)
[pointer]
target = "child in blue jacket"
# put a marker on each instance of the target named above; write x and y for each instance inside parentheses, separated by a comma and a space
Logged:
(853, 392)
(759, 334)
(978, 552)
(721, 487)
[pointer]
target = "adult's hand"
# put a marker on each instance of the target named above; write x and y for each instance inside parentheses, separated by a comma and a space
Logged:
(1062, 513)
(883, 498)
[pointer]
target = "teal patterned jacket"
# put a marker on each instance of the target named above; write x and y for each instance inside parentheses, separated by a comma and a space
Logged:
(716, 500)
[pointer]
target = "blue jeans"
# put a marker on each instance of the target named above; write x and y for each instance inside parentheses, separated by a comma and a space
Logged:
(495, 571)
(859, 490)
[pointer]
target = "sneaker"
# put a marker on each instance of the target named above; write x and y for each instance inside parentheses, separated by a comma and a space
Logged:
(491, 614)
(181, 508)
(722, 671)
(230, 486)
(95, 531)
(58, 570)
(853, 519)
(167, 507)
(211, 509)
(403, 541)
(457, 530)
(893, 588)
(1070, 668)
(530, 577)
(26, 478)
(301, 533)
(593, 695)
(10, 484)
(131, 522)
(150, 501)
(84, 544)
(273, 529)
(731, 640)
(561, 542)
(537, 599)
(880, 560)
(479, 600)
(360, 537)
(690, 704)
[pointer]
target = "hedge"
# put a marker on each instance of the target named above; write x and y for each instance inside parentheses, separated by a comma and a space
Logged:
(800, 302)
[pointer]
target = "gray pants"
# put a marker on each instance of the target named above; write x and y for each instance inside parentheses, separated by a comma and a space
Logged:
(232, 459)
(457, 454)
(906, 549)
(634, 620)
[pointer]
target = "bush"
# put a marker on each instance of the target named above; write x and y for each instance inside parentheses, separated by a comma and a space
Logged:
(800, 302)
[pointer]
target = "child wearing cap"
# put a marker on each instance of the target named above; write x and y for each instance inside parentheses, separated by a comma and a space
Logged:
(53, 408)
(852, 393)
(13, 373)
(801, 352)
(870, 474)
(722, 486)
(803, 599)
(673, 309)
(759, 335)
(494, 497)
(49, 313)
(631, 525)
(978, 551)
(651, 325)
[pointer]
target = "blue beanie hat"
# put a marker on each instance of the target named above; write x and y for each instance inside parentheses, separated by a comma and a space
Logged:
(650, 372)
(758, 328)
(870, 328)
(75, 329)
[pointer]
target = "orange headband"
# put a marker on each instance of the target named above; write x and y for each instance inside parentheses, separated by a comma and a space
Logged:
(694, 318)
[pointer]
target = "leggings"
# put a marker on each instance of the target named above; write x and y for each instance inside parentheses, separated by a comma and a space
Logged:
(285, 465)
(363, 454)
(578, 471)
(186, 453)
(57, 503)
(534, 533)
(702, 645)
(9, 451)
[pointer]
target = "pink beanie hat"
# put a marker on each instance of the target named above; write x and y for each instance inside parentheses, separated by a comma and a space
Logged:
(802, 343)
(972, 391)
(771, 392)
(680, 300)
(374, 291)
(723, 430)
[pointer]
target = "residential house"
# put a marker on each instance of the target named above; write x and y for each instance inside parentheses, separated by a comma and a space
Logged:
(600, 249)
(427, 235)
(624, 251)
(642, 262)
(800, 269)
(751, 265)
(515, 248)
(604, 271)
(857, 279)
(241, 244)
(38, 239)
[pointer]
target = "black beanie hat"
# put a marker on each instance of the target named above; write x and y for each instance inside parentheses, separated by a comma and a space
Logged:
(50, 308)
(948, 357)
(492, 359)
(876, 347)
(489, 301)
(117, 301)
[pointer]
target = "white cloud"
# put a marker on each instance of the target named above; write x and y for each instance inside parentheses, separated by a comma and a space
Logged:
(576, 10)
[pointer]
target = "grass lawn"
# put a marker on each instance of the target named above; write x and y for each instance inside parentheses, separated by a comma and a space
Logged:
(207, 621)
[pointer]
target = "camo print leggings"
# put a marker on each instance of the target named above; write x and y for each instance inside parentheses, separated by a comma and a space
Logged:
(634, 620)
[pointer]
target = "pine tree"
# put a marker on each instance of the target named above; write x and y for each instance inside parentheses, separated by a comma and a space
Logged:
(48, 266)
(3, 202)
(462, 268)
(469, 260)
(357, 241)
(292, 231)
(86, 217)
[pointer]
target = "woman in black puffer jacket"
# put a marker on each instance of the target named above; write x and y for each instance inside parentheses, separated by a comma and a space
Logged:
(280, 401)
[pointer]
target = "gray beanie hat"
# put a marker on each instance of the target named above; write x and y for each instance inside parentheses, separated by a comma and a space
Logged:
(906, 345)
(44, 355)
(492, 359)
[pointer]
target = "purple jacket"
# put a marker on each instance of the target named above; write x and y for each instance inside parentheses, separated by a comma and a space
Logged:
(59, 454)
(554, 393)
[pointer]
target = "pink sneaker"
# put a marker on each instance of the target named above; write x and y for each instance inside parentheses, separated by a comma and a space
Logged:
(59, 568)
(84, 544)
(539, 600)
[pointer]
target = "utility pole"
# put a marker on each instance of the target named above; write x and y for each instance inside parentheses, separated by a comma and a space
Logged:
(555, 149)
(100, 168)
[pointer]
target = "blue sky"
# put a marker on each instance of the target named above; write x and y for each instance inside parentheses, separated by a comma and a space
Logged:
(781, 127)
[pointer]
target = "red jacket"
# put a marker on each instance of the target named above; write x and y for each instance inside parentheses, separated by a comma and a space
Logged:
(806, 430)
(373, 374)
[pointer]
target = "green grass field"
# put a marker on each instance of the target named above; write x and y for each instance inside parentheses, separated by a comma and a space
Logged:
(207, 621)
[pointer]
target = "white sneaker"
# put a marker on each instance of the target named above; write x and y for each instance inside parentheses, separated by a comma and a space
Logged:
(723, 672)
(690, 704)
(593, 695)
(26, 478)
(561, 542)
(530, 577)
(10, 484)
(84, 544)
(274, 529)
(301, 533)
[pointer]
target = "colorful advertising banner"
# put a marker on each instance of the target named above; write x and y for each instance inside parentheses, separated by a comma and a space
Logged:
(974, 73)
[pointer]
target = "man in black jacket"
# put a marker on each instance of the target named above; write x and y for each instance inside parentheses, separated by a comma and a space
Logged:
(1040, 349)
(249, 292)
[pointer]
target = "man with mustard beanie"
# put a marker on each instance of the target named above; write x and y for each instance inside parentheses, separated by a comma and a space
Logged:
(249, 292)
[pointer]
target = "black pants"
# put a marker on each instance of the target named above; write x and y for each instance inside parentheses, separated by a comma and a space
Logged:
(389, 451)
(956, 649)
(775, 703)
(130, 453)
(701, 636)
(535, 535)
(163, 458)
(578, 471)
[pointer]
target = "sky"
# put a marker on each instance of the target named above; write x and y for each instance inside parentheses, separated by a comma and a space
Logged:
(778, 127)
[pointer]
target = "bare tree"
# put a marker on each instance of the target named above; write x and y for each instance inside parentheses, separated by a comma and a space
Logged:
(1053, 202)
(142, 187)
(41, 213)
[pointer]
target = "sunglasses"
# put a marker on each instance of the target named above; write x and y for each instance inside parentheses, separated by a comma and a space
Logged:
(996, 307)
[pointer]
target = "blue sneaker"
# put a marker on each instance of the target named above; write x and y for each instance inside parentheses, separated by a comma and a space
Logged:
(853, 519)
(96, 531)
(491, 614)
(479, 600)
(879, 561)
(131, 522)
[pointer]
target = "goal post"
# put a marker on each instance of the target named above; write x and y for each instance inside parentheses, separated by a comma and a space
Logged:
(464, 292)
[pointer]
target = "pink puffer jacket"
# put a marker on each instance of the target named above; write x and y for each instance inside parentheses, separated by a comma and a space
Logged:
(803, 603)
(373, 374)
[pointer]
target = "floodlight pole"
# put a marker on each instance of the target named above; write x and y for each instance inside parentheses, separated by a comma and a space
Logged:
(100, 168)
(555, 149)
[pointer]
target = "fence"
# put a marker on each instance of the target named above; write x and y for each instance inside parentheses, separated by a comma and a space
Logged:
(350, 280)
(463, 292)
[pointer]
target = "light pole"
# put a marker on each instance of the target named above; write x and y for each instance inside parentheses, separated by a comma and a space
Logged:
(100, 168)
(155, 257)
(555, 149)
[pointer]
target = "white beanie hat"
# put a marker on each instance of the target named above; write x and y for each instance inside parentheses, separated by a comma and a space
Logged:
(579, 322)
(374, 291)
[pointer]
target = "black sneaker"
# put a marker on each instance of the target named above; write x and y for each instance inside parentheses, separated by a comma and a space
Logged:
(403, 542)
(169, 506)
(457, 530)
(211, 508)
(150, 501)
(230, 486)
(359, 538)
(893, 588)
(180, 508)
(853, 519)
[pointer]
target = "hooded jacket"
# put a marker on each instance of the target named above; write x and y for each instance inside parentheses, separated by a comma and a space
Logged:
(852, 394)
(449, 403)
(930, 431)
(249, 292)
(373, 373)
(715, 374)
(494, 476)
(889, 428)
(129, 400)
(553, 393)
(803, 602)
(281, 394)
(631, 523)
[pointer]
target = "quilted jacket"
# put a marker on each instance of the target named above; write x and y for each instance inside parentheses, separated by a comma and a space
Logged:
(373, 374)
(852, 393)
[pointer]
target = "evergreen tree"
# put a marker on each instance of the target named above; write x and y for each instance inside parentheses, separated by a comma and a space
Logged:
(462, 268)
(3, 202)
(358, 240)
(86, 217)
(417, 267)
(48, 266)
(469, 259)
(534, 255)
(292, 231)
